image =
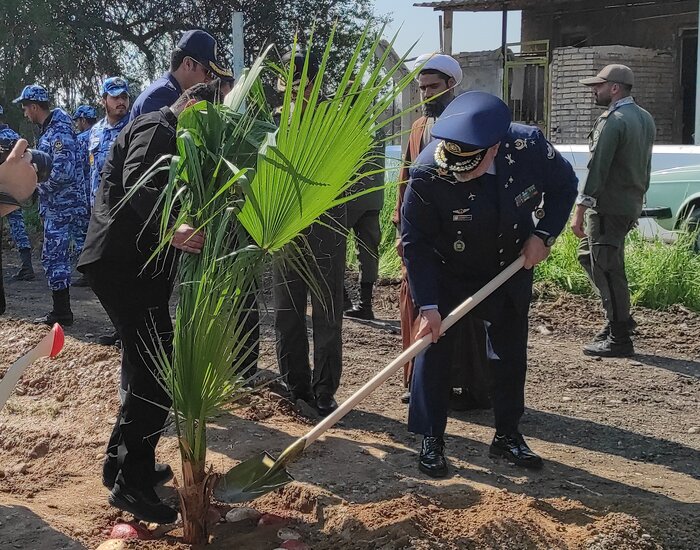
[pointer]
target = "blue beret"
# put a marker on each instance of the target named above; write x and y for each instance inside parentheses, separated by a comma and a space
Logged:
(203, 48)
(115, 86)
(33, 92)
(84, 111)
(474, 120)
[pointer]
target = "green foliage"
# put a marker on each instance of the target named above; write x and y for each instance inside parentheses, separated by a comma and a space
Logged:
(660, 275)
(562, 268)
(69, 46)
(253, 191)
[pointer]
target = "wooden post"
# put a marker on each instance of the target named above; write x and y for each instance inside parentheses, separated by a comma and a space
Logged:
(237, 30)
(447, 32)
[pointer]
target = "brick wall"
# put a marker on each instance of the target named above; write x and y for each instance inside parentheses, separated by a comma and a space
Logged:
(573, 112)
(483, 71)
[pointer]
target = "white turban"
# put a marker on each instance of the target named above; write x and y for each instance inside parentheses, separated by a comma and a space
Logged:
(440, 62)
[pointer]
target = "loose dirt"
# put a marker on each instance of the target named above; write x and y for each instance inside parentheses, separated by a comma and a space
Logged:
(620, 438)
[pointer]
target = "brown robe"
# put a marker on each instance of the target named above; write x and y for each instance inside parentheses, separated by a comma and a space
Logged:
(469, 365)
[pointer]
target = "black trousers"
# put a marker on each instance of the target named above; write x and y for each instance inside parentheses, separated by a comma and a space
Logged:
(290, 294)
(368, 237)
(138, 307)
(505, 331)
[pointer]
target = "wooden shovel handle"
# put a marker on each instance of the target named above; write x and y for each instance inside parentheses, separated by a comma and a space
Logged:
(410, 352)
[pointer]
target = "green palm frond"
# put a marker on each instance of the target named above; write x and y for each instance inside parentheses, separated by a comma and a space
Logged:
(253, 190)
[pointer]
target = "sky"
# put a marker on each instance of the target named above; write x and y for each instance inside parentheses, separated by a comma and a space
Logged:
(471, 31)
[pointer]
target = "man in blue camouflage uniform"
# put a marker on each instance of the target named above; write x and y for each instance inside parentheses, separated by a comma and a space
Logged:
(484, 192)
(8, 137)
(85, 117)
(115, 100)
(59, 197)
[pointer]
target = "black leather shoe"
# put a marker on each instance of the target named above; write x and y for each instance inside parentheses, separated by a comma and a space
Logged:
(514, 449)
(108, 339)
(609, 348)
(325, 404)
(143, 503)
(360, 312)
(432, 459)
(63, 319)
(162, 473)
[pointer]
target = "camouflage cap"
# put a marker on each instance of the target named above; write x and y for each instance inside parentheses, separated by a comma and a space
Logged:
(115, 86)
(8, 138)
(84, 111)
(33, 92)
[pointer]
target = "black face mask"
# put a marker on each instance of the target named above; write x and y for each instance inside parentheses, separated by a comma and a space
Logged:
(435, 107)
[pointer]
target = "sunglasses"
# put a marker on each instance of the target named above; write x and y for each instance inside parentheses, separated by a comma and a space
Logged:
(211, 75)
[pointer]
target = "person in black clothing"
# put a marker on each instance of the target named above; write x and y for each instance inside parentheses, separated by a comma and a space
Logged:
(135, 294)
(325, 247)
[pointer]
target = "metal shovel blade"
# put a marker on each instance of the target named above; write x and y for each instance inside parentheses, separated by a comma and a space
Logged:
(251, 479)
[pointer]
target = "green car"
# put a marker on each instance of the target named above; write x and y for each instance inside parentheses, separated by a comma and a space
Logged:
(673, 200)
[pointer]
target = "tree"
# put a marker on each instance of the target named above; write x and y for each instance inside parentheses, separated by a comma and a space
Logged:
(69, 46)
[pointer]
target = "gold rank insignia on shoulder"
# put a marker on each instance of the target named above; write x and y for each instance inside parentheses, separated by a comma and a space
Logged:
(520, 144)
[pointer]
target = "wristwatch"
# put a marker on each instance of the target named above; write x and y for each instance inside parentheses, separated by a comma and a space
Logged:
(546, 237)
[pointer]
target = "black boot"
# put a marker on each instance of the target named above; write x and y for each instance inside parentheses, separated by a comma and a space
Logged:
(143, 503)
(61, 312)
(162, 473)
(364, 309)
(432, 459)
(617, 344)
(513, 448)
(605, 331)
(26, 272)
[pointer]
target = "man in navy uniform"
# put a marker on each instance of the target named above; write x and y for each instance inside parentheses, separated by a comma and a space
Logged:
(194, 60)
(469, 211)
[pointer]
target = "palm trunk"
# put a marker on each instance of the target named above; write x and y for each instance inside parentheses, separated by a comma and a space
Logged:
(195, 498)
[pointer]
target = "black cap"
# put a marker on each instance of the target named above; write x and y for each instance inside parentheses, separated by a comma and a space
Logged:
(203, 48)
(298, 64)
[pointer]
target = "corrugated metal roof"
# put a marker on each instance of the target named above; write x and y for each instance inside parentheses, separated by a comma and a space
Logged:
(499, 5)
(486, 5)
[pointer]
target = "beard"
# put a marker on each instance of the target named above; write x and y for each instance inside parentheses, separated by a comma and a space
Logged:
(435, 107)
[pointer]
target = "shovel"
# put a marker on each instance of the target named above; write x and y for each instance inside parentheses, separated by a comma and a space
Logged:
(261, 474)
(49, 346)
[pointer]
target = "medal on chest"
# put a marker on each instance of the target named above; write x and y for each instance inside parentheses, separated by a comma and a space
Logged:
(459, 245)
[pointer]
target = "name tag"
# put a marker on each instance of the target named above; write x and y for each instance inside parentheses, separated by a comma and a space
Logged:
(462, 217)
(526, 195)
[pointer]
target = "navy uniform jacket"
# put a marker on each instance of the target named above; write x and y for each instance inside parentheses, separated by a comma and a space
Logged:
(458, 235)
(163, 92)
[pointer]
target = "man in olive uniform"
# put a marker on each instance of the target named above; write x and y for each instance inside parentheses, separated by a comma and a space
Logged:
(363, 219)
(611, 201)
(467, 214)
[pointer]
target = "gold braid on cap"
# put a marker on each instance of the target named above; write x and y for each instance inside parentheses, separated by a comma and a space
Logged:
(472, 158)
(455, 149)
